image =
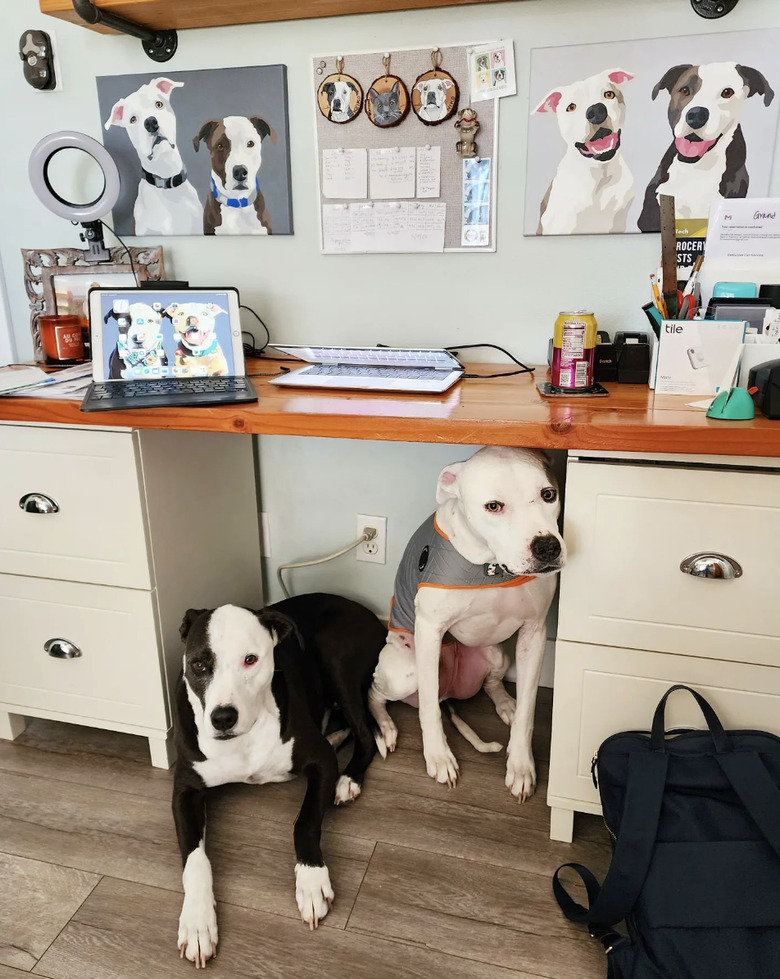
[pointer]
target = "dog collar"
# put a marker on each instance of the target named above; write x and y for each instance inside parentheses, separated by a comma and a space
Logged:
(190, 352)
(235, 201)
(165, 183)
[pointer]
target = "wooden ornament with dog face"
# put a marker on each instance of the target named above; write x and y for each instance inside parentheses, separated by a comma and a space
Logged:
(340, 96)
(435, 96)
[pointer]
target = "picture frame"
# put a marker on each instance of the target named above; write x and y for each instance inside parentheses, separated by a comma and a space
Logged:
(47, 271)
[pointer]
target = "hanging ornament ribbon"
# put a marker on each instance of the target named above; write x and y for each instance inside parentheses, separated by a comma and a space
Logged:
(340, 96)
(435, 94)
(387, 101)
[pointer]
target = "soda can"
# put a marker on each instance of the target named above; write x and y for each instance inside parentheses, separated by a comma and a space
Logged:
(574, 350)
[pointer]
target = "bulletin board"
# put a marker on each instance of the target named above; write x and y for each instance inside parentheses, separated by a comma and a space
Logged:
(361, 133)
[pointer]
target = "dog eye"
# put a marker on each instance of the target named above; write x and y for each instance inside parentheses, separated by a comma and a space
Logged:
(494, 506)
(609, 94)
(685, 90)
(251, 143)
(220, 146)
(727, 93)
(197, 666)
(549, 495)
(571, 107)
(133, 118)
(250, 659)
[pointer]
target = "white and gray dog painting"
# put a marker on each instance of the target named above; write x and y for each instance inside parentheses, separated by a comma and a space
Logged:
(200, 152)
(692, 117)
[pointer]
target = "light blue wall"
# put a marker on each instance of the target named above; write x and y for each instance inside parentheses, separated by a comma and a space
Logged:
(313, 488)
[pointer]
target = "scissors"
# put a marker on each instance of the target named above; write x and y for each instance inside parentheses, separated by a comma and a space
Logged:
(686, 306)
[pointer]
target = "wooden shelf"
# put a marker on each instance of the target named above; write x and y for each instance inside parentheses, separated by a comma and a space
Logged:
(501, 411)
(182, 14)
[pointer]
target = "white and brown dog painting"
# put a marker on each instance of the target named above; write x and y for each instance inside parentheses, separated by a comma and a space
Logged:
(708, 154)
(593, 188)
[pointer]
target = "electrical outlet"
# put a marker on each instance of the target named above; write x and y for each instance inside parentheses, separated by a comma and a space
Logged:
(373, 550)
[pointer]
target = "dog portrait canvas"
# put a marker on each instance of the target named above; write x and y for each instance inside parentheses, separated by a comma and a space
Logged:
(614, 125)
(199, 152)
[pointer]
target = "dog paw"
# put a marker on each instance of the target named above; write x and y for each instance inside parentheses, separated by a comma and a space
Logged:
(346, 790)
(521, 778)
(198, 931)
(313, 893)
(505, 708)
(386, 738)
(441, 764)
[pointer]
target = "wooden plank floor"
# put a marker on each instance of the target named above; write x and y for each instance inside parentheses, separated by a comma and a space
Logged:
(429, 882)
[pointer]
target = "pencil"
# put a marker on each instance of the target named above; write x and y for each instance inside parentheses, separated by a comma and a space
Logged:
(660, 305)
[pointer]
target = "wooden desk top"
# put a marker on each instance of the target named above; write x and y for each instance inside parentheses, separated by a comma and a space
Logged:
(500, 411)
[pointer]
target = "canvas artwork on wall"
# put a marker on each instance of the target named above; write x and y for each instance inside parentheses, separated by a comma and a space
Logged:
(200, 152)
(614, 125)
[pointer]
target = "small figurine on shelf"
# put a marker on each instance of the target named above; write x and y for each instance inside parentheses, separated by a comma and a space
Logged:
(468, 126)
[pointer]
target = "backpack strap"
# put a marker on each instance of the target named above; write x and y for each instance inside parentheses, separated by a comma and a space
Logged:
(633, 849)
(750, 779)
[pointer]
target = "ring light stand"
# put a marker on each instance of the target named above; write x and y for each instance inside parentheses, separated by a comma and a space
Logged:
(87, 215)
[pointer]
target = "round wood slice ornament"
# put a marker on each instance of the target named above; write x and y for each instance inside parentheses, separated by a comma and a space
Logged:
(387, 101)
(435, 94)
(340, 96)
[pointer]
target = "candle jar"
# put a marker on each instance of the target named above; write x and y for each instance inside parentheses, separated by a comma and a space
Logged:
(62, 339)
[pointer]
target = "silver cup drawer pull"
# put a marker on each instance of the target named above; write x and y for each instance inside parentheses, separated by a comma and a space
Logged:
(38, 503)
(710, 564)
(62, 649)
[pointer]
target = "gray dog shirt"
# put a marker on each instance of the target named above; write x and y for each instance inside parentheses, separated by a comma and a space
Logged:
(430, 560)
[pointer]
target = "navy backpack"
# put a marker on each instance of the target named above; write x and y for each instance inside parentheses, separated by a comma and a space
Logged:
(695, 871)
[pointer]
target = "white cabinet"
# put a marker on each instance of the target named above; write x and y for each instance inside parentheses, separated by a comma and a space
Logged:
(632, 621)
(106, 538)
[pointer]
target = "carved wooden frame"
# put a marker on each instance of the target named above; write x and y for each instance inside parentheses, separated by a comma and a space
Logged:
(42, 264)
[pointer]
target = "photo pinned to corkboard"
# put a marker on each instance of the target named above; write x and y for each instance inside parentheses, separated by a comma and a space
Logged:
(340, 96)
(435, 94)
(387, 101)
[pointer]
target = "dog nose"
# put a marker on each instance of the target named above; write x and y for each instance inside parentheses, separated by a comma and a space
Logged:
(546, 548)
(596, 113)
(697, 117)
(224, 718)
(240, 173)
(151, 125)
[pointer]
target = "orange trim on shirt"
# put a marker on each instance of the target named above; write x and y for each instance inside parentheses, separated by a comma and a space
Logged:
(438, 529)
(521, 580)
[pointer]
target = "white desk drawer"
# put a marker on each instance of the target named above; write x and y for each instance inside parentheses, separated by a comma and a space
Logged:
(97, 534)
(600, 691)
(117, 677)
(629, 527)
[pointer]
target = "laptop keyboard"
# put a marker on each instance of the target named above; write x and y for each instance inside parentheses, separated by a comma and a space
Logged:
(167, 385)
(348, 370)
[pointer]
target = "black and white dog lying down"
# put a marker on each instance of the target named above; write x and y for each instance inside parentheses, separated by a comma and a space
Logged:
(251, 704)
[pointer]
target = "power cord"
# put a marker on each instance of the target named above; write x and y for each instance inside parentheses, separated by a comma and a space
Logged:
(254, 350)
(369, 533)
(129, 253)
(470, 346)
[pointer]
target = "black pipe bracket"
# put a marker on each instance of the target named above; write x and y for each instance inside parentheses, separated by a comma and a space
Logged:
(160, 46)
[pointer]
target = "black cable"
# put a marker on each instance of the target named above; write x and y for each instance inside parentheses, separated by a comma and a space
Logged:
(468, 346)
(254, 352)
(129, 253)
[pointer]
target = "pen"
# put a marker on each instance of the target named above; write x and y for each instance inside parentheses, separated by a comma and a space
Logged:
(659, 302)
(694, 275)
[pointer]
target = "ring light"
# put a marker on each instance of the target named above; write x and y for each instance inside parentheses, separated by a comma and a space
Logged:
(88, 215)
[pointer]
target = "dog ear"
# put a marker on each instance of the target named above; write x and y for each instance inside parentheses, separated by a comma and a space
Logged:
(216, 309)
(549, 103)
(205, 132)
(670, 79)
(111, 313)
(189, 617)
(756, 83)
(117, 114)
(447, 487)
(329, 88)
(263, 128)
(164, 85)
(279, 625)
(617, 76)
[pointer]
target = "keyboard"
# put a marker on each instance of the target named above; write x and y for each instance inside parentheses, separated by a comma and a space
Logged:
(167, 392)
(349, 370)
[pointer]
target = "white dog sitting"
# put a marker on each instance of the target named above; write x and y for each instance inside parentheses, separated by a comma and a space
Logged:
(478, 570)
(433, 98)
(593, 188)
(167, 203)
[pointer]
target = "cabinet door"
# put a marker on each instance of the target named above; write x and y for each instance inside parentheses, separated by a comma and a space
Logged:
(115, 675)
(601, 690)
(97, 531)
(628, 528)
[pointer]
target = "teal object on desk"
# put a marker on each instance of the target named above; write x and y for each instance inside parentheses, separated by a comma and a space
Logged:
(734, 290)
(733, 405)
